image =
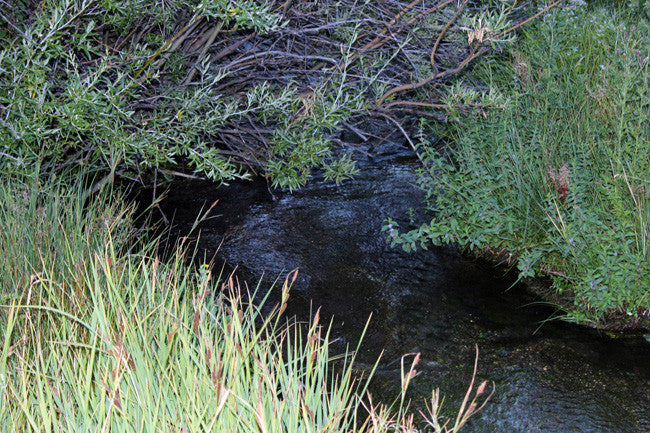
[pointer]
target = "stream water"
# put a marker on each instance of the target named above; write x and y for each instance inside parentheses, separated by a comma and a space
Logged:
(549, 376)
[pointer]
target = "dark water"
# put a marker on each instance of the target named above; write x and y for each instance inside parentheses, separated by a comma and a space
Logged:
(550, 377)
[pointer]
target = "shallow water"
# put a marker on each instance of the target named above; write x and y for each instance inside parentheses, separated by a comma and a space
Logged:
(549, 377)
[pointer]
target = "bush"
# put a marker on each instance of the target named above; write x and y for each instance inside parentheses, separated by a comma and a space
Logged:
(102, 85)
(556, 180)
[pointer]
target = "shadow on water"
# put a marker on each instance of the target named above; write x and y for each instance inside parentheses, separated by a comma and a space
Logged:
(553, 378)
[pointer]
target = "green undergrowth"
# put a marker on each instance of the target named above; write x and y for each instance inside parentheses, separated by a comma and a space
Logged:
(97, 334)
(556, 179)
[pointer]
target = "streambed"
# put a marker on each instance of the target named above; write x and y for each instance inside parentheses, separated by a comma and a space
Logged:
(549, 376)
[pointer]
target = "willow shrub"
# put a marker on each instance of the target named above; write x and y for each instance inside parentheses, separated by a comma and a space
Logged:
(557, 180)
(69, 97)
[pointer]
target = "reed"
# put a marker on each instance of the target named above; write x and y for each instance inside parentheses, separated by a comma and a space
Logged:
(99, 335)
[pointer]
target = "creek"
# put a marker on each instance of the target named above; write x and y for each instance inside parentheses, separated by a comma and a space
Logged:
(549, 376)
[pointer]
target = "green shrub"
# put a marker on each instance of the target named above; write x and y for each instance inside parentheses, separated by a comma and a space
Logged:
(98, 85)
(557, 179)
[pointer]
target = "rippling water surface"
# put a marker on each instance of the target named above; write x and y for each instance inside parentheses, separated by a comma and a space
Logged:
(553, 377)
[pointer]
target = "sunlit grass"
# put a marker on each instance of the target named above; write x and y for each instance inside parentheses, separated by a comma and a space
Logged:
(99, 335)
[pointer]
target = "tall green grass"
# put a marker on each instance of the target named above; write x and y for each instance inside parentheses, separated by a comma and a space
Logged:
(98, 335)
(557, 179)
(50, 229)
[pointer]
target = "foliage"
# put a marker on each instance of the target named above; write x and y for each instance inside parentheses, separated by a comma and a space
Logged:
(97, 84)
(225, 88)
(555, 177)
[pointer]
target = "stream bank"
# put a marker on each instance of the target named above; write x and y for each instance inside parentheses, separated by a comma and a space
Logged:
(549, 376)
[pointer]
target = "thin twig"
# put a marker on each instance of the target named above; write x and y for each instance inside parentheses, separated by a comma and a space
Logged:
(443, 31)
(527, 20)
(212, 36)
